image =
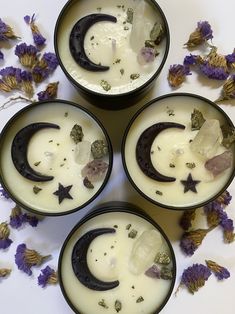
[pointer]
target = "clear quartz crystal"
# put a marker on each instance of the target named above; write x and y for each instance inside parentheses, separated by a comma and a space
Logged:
(208, 139)
(138, 31)
(144, 251)
(82, 152)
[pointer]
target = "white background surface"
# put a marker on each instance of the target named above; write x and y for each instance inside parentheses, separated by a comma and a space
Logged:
(20, 293)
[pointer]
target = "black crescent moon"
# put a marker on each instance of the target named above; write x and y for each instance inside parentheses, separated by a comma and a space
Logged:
(77, 36)
(19, 149)
(143, 150)
(79, 261)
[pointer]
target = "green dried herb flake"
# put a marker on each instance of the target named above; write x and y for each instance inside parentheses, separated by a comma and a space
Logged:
(87, 183)
(132, 234)
(118, 306)
(228, 135)
(92, 37)
(166, 273)
(162, 258)
(126, 28)
(36, 189)
(117, 61)
(128, 226)
(157, 33)
(99, 149)
(129, 15)
(171, 165)
(103, 304)
(140, 299)
(99, 9)
(197, 120)
(66, 114)
(159, 193)
(134, 76)
(37, 163)
(105, 85)
(170, 112)
(76, 133)
(190, 165)
(122, 71)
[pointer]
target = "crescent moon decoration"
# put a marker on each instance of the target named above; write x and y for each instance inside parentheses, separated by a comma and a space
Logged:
(79, 261)
(77, 36)
(143, 150)
(19, 149)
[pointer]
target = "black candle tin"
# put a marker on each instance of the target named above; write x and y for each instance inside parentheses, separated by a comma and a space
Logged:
(104, 100)
(170, 98)
(25, 112)
(113, 207)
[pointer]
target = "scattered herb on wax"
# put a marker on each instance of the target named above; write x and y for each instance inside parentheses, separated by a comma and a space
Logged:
(122, 71)
(134, 76)
(66, 114)
(190, 165)
(140, 299)
(132, 234)
(36, 189)
(170, 112)
(118, 306)
(37, 163)
(159, 192)
(103, 304)
(105, 85)
(115, 226)
(171, 165)
(128, 226)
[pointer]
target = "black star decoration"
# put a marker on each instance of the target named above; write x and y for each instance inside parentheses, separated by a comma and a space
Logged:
(190, 184)
(63, 192)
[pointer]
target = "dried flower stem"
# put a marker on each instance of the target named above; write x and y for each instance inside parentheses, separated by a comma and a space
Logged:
(4, 272)
(14, 99)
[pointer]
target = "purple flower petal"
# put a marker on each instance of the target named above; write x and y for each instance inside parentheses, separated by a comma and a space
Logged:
(38, 39)
(230, 58)
(194, 277)
(205, 30)
(45, 275)
(5, 243)
(1, 55)
(51, 60)
(190, 60)
(20, 259)
(215, 73)
(4, 194)
(24, 49)
(32, 220)
(27, 19)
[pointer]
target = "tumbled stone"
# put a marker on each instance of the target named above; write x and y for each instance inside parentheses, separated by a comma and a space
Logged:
(208, 139)
(219, 163)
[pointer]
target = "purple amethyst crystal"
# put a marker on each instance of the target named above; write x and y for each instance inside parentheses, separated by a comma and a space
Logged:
(219, 163)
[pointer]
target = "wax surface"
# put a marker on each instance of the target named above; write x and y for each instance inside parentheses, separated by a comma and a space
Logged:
(109, 44)
(55, 152)
(108, 259)
(164, 153)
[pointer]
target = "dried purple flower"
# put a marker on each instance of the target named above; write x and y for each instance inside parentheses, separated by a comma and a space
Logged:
(6, 32)
(202, 33)
(1, 55)
(26, 83)
(214, 213)
(231, 60)
(4, 272)
(31, 220)
(44, 67)
(187, 218)
(5, 242)
(191, 240)
(16, 216)
(225, 198)
(214, 66)
(38, 39)
(228, 89)
(4, 194)
(27, 54)
(219, 271)
(190, 60)
(228, 228)
(194, 277)
(47, 276)
(49, 93)
(26, 258)
(51, 60)
(146, 55)
(177, 74)
(11, 77)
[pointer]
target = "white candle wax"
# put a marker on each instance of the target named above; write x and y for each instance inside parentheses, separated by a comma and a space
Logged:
(172, 147)
(112, 44)
(108, 259)
(51, 152)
